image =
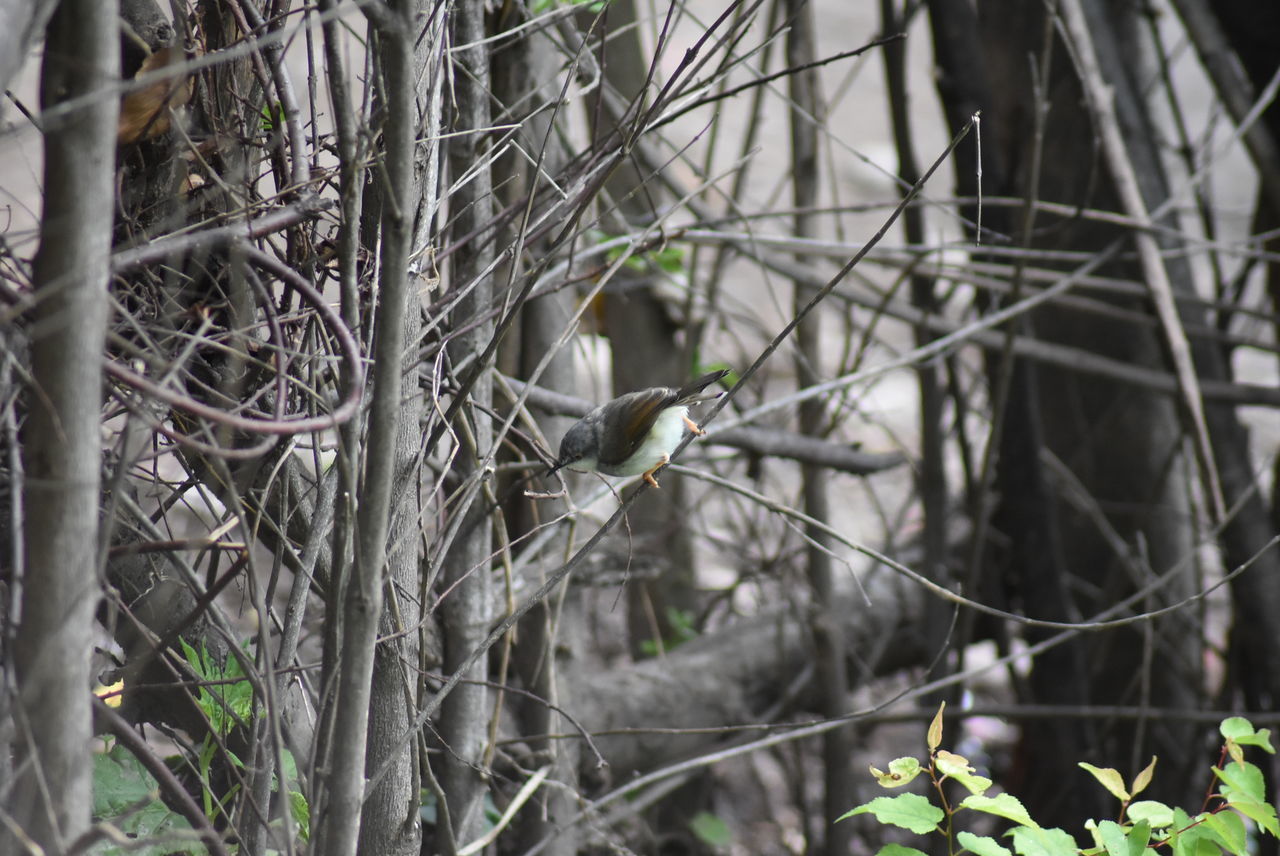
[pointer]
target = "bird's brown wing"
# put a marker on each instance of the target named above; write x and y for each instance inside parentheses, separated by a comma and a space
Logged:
(632, 416)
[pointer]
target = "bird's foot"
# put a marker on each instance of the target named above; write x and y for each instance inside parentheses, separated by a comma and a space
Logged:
(648, 477)
(693, 426)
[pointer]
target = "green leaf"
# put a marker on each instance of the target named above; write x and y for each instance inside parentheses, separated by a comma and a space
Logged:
(681, 626)
(592, 6)
(908, 811)
(290, 766)
(1110, 779)
(957, 767)
(271, 116)
(492, 814)
(670, 259)
(1244, 789)
(1237, 729)
(1195, 841)
(901, 772)
(1227, 826)
(1139, 836)
(228, 697)
(1003, 805)
(1181, 823)
(1034, 841)
(1155, 813)
(1242, 779)
(899, 850)
(1112, 836)
(934, 738)
(710, 829)
(666, 258)
(982, 845)
(1144, 778)
(120, 782)
(301, 812)
(194, 660)
(949, 763)
(1118, 840)
(1261, 813)
(1193, 836)
(126, 795)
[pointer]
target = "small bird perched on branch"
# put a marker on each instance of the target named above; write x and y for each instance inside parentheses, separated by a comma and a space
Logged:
(635, 433)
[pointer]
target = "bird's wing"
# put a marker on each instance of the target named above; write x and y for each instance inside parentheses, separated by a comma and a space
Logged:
(632, 416)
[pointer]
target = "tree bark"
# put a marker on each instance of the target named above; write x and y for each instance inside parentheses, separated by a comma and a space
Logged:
(527, 79)
(62, 455)
(340, 821)
(829, 643)
(730, 675)
(1123, 448)
(466, 607)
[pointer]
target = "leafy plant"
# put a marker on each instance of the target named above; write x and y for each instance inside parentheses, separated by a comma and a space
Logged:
(127, 796)
(271, 117)
(667, 258)
(299, 807)
(226, 698)
(682, 626)
(1143, 825)
(711, 830)
(593, 6)
(225, 694)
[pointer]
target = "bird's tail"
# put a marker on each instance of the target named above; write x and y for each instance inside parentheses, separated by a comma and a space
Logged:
(693, 392)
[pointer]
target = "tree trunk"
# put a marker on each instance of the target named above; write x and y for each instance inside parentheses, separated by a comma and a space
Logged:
(362, 610)
(1123, 447)
(466, 603)
(829, 644)
(527, 78)
(50, 798)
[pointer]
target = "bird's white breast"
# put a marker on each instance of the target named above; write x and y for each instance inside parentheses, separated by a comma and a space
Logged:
(661, 442)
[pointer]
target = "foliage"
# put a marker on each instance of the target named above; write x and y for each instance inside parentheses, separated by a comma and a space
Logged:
(1142, 825)
(711, 830)
(683, 628)
(126, 796)
(225, 695)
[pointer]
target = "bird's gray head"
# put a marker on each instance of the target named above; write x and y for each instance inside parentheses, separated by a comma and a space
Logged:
(580, 446)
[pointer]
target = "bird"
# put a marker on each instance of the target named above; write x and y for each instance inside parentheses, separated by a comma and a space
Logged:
(634, 434)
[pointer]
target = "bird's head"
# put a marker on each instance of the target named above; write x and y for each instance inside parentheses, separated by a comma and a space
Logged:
(579, 448)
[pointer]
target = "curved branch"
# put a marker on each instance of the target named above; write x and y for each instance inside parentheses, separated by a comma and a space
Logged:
(282, 425)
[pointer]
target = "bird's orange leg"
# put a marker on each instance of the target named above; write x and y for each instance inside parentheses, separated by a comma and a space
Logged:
(649, 475)
(693, 426)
